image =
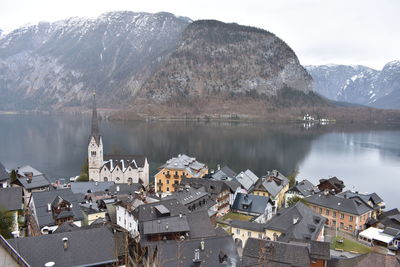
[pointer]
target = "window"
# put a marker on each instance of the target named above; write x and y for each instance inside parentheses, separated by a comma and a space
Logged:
(160, 181)
(130, 180)
(249, 234)
(320, 210)
(105, 179)
(327, 212)
(167, 189)
(117, 179)
(350, 218)
(167, 181)
(93, 153)
(130, 225)
(341, 225)
(119, 218)
(334, 214)
(238, 231)
(334, 222)
(341, 216)
(351, 227)
(259, 235)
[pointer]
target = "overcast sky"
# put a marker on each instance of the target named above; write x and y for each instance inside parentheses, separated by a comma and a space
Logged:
(363, 32)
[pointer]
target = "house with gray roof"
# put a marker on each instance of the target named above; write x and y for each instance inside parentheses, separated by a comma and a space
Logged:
(31, 180)
(225, 173)
(347, 214)
(297, 222)
(332, 184)
(261, 252)
(219, 192)
(390, 218)
(90, 187)
(4, 176)
(253, 205)
(247, 179)
(218, 250)
(91, 247)
(11, 200)
(301, 189)
(52, 208)
(273, 185)
(373, 200)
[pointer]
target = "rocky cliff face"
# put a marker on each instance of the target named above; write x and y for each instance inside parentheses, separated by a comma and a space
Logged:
(215, 57)
(359, 84)
(59, 64)
(129, 57)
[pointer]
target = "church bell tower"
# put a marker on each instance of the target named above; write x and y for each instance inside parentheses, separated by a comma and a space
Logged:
(95, 148)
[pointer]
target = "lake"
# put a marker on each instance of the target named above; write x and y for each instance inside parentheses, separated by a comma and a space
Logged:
(366, 157)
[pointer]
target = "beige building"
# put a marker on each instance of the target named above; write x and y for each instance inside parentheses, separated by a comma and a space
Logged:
(174, 170)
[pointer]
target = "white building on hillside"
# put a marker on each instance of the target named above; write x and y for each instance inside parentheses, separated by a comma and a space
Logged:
(116, 168)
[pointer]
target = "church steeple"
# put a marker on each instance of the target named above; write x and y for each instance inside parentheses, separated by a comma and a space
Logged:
(95, 122)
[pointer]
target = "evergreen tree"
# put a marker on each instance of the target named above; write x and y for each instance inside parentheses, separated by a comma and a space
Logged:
(6, 222)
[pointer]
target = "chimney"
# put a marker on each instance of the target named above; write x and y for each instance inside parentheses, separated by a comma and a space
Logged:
(166, 226)
(202, 245)
(48, 207)
(65, 243)
(117, 188)
(30, 176)
(326, 192)
(218, 167)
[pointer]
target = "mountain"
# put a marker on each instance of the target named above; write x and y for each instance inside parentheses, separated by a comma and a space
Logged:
(53, 65)
(359, 84)
(215, 57)
(140, 59)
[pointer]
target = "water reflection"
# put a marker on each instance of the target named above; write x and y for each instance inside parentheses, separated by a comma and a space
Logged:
(57, 145)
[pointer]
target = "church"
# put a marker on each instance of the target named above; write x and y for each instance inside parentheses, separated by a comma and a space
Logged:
(116, 168)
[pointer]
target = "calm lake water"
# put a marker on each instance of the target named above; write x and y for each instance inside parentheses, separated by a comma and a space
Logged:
(366, 158)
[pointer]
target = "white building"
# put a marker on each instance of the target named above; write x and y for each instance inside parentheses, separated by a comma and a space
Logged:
(115, 168)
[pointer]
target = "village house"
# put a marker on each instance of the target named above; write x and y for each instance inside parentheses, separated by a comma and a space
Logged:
(91, 212)
(11, 201)
(294, 223)
(247, 179)
(253, 205)
(4, 177)
(52, 208)
(348, 215)
(390, 218)
(31, 180)
(217, 250)
(174, 170)
(273, 185)
(225, 173)
(117, 168)
(195, 199)
(85, 247)
(218, 190)
(9, 256)
(373, 200)
(261, 252)
(301, 189)
(332, 184)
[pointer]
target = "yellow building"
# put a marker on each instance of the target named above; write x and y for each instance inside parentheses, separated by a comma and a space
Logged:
(91, 214)
(172, 172)
(274, 185)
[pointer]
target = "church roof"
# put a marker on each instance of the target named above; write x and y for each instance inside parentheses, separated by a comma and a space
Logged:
(124, 161)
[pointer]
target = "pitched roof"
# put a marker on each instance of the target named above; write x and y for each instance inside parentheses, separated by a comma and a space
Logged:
(297, 222)
(305, 188)
(43, 198)
(87, 247)
(247, 179)
(334, 182)
(184, 162)
(37, 181)
(261, 251)
(85, 187)
(327, 200)
(218, 251)
(253, 226)
(190, 195)
(11, 198)
(255, 204)
(213, 187)
(164, 225)
(147, 212)
(371, 199)
(224, 174)
(4, 175)
(125, 189)
(24, 170)
(273, 183)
